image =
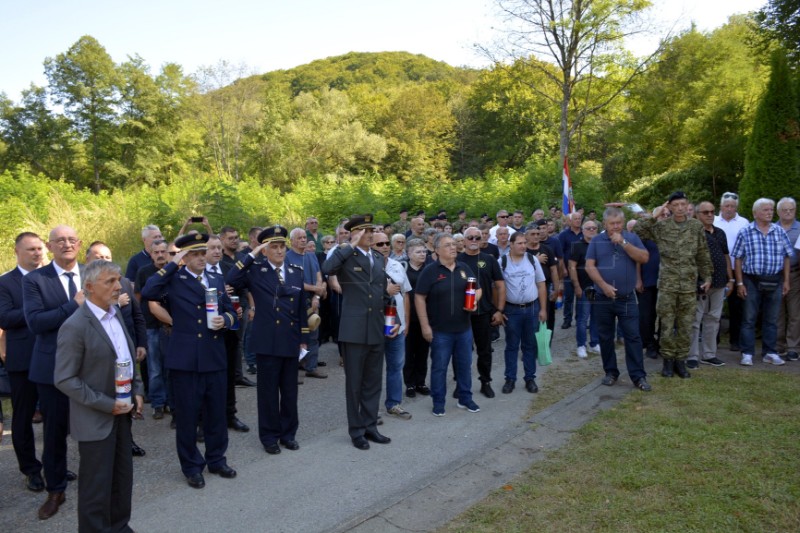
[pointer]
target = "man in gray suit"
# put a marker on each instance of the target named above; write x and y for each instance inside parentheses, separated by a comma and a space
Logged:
(359, 271)
(93, 351)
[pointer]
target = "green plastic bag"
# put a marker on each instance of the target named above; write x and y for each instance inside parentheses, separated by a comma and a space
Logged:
(543, 341)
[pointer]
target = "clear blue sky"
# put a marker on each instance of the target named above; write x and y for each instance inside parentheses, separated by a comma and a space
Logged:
(271, 34)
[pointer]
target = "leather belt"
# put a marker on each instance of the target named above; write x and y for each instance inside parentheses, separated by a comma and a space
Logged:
(521, 306)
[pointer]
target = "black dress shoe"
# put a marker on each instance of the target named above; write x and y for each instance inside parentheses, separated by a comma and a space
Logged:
(361, 443)
(136, 450)
(455, 394)
(486, 390)
(223, 471)
(272, 449)
(322, 363)
(411, 392)
(531, 386)
(609, 379)
(377, 437)
(244, 382)
(252, 370)
(508, 388)
(566, 324)
(680, 369)
(35, 482)
(196, 481)
(290, 445)
(422, 389)
(71, 476)
(237, 425)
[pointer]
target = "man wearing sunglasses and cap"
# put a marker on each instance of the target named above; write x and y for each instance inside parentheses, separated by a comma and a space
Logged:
(359, 271)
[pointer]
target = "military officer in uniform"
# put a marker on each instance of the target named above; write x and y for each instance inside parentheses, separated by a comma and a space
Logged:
(684, 255)
(196, 356)
(359, 271)
(277, 290)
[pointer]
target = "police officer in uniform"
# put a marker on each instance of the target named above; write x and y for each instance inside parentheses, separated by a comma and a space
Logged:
(196, 357)
(277, 290)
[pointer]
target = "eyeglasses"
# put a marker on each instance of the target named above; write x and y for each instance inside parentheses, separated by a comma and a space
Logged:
(384, 243)
(730, 195)
(706, 212)
(473, 237)
(502, 216)
(63, 240)
(173, 253)
(590, 228)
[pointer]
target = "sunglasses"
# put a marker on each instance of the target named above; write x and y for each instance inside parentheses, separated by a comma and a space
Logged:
(707, 212)
(384, 243)
(502, 216)
(730, 195)
(473, 238)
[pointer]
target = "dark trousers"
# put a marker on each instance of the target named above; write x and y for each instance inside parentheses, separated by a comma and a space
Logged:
(648, 317)
(277, 398)
(105, 483)
(363, 370)
(196, 393)
(625, 311)
(735, 313)
(336, 317)
(23, 401)
(482, 336)
(569, 299)
(232, 353)
(415, 369)
(54, 405)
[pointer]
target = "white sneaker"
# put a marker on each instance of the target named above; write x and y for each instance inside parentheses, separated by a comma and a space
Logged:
(774, 359)
(582, 352)
(594, 349)
(747, 360)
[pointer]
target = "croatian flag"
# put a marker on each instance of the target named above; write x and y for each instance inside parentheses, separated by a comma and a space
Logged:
(568, 204)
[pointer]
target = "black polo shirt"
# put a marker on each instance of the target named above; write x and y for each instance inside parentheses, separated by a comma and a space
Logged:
(578, 254)
(445, 296)
(552, 260)
(718, 248)
(488, 270)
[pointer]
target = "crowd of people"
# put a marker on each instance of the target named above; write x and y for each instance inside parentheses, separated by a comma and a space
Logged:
(86, 345)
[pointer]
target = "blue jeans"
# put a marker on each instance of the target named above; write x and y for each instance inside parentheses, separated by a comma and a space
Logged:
(625, 310)
(769, 302)
(458, 346)
(582, 311)
(395, 350)
(155, 367)
(521, 328)
(310, 360)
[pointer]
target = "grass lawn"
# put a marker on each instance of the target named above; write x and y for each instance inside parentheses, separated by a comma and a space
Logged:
(718, 452)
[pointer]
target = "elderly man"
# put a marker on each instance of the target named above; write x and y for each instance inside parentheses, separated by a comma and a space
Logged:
(731, 222)
(684, 257)
(445, 322)
(503, 246)
(315, 289)
(762, 254)
(502, 222)
(196, 357)
(709, 302)
(29, 251)
(149, 234)
(360, 275)
(398, 288)
(571, 234)
(95, 367)
(50, 295)
(490, 309)
(789, 315)
(581, 282)
(525, 308)
(277, 288)
(611, 264)
(417, 227)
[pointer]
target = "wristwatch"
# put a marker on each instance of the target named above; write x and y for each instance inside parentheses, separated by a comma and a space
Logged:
(624, 242)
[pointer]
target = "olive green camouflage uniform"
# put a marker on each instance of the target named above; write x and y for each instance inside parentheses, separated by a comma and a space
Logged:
(401, 226)
(684, 258)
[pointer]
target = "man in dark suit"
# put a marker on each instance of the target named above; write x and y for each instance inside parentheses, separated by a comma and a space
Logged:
(196, 356)
(95, 367)
(142, 258)
(49, 296)
(29, 249)
(277, 290)
(359, 271)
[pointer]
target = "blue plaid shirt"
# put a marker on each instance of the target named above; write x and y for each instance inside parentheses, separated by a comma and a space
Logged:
(762, 254)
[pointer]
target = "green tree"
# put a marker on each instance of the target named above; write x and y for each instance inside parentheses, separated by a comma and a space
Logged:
(84, 81)
(772, 160)
(780, 19)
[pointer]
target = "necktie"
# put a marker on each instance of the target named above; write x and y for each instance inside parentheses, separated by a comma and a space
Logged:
(280, 277)
(215, 269)
(71, 287)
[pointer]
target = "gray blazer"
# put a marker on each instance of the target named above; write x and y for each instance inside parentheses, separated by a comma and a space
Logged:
(84, 371)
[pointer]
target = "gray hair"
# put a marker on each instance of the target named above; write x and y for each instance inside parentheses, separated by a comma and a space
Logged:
(95, 268)
(612, 212)
(786, 200)
(478, 230)
(762, 201)
(296, 233)
(415, 242)
(437, 239)
(729, 196)
(147, 229)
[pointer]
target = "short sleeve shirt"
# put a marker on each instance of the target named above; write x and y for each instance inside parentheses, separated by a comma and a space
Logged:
(614, 264)
(488, 272)
(444, 291)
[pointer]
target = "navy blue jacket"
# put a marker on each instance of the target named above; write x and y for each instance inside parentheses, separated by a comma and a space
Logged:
(19, 338)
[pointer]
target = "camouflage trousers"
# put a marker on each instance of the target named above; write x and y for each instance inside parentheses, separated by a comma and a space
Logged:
(676, 311)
